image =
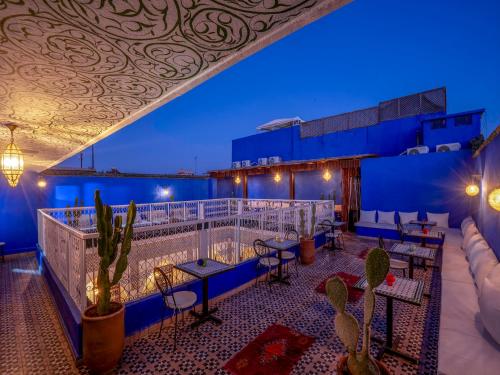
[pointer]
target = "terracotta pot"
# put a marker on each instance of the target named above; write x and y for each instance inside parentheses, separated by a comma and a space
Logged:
(103, 338)
(307, 251)
(342, 367)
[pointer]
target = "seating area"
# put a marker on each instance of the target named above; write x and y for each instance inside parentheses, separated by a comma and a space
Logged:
(156, 217)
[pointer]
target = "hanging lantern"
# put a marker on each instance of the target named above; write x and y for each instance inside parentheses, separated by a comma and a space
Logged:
(277, 177)
(472, 190)
(327, 176)
(237, 180)
(494, 199)
(12, 161)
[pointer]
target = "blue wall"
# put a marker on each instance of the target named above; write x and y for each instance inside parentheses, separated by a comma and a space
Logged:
(263, 186)
(311, 185)
(433, 182)
(488, 219)
(388, 138)
(19, 205)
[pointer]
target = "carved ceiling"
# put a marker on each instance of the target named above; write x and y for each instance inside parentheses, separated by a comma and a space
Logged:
(73, 72)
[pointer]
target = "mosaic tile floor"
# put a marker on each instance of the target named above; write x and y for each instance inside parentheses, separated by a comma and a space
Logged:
(245, 315)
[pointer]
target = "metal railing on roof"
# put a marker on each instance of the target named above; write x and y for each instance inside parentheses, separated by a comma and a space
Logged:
(426, 102)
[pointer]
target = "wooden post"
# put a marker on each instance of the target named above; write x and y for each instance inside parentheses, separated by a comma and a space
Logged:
(245, 186)
(291, 184)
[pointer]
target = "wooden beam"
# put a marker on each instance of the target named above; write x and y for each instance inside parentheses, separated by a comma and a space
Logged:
(291, 184)
(245, 186)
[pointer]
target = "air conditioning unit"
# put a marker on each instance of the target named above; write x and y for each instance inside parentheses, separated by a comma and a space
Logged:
(236, 164)
(445, 147)
(262, 161)
(417, 150)
(246, 163)
(274, 159)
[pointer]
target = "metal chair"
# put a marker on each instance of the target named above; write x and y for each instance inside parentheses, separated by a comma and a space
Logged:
(176, 301)
(395, 264)
(265, 260)
(290, 255)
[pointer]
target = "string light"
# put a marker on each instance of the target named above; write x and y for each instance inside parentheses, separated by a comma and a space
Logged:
(41, 183)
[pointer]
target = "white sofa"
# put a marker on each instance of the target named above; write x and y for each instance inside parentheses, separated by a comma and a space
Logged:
(465, 346)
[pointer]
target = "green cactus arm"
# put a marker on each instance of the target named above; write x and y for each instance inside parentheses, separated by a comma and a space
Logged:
(376, 267)
(302, 223)
(313, 220)
(122, 262)
(117, 232)
(369, 309)
(347, 329)
(337, 292)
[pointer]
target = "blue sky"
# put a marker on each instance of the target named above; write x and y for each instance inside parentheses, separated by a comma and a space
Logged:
(355, 57)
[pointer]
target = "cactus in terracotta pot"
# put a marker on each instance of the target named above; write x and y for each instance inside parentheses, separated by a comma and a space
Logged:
(346, 325)
(109, 249)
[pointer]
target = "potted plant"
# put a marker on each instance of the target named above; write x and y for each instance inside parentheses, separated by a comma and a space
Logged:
(103, 322)
(346, 325)
(307, 247)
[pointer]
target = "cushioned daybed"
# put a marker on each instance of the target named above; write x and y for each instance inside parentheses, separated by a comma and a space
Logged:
(469, 334)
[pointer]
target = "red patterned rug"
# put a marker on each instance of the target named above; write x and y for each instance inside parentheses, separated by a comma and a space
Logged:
(275, 351)
(349, 280)
(364, 253)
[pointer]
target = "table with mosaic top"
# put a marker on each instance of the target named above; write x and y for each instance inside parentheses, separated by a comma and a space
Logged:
(211, 268)
(423, 223)
(430, 235)
(412, 251)
(280, 246)
(404, 290)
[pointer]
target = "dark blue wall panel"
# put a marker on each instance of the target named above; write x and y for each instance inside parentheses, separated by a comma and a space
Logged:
(488, 219)
(311, 185)
(18, 205)
(432, 182)
(264, 186)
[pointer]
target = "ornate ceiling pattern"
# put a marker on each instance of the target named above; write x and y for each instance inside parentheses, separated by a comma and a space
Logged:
(73, 72)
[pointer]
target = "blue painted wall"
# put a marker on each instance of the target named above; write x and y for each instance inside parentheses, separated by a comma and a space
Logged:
(263, 186)
(433, 182)
(18, 205)
(388, 138)
(452, 130)
(311, 185)
(488, 219)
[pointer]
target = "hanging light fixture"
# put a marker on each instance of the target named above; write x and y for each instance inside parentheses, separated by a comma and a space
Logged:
(327, 176)
(237, 180)
(472, 190)
(494, 199)
(277, 177)
(41, 183)
(12, 161)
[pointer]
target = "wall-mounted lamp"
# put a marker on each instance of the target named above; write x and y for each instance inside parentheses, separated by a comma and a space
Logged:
(472, 190)
(327, 176)
(494, 199)
(277, 177)
(41, 183)
(165, 192)
(237, 180)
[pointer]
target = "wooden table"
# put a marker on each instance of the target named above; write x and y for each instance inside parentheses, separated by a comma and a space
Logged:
(404, 290)
(434, 235)
(212, 268)
(280, 246)
(423, 223)
(412, 251)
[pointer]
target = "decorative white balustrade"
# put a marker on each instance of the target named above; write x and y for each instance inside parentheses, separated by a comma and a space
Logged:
(165, 233)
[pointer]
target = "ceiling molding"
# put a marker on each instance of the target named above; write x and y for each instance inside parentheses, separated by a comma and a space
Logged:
(72, 74)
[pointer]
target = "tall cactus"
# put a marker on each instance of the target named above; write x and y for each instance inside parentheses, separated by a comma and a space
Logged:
(110, 237)
(302, 223)
(346, 325)
(313, 220)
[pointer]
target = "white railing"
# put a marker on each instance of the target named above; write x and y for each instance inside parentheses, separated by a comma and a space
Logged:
(175, 232)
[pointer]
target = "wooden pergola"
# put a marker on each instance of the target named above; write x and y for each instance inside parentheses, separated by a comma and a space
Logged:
(351, 162)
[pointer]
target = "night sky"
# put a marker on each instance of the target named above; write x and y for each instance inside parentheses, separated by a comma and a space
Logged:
(353, 58)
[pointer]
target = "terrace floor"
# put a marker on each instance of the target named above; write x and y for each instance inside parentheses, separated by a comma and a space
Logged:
(37, 345)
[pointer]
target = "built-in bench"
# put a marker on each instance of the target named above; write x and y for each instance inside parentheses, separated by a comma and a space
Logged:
(465, 345)
(367, 229)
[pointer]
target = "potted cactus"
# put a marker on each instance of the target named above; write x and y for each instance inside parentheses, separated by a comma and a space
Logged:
(307, 247)
(346, 325)
(103, 322)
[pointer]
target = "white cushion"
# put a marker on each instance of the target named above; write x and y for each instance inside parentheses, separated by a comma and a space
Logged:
(469, 232)
(481, 264)
(472, 245)
(365, 224)
(386, 217)
(406, 217)
(367, 216)
(183, 300)
(489, 303)
(468, 221)
(440, 219)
